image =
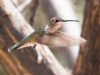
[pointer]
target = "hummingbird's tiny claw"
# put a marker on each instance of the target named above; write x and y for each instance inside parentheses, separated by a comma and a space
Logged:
(34, 46)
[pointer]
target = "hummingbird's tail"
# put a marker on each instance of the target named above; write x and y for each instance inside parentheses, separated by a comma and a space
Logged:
(23, 43)
(18, 45)
(14, 47)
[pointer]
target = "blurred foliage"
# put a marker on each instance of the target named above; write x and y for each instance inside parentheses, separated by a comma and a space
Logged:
(2, 71)
(78, 6)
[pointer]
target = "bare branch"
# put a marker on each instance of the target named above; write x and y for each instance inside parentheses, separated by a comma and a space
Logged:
(24, 5)
(15, 2)
(32, 11)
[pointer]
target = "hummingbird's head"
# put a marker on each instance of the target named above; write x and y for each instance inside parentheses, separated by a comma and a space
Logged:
(56, 23)
(56, 20)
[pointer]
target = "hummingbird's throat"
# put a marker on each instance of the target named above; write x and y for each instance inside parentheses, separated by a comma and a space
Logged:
(52, 28)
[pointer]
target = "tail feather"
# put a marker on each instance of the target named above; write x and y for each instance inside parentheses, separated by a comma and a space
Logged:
(16, 46)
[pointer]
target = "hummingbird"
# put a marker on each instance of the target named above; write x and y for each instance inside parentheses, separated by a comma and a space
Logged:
(49, 35)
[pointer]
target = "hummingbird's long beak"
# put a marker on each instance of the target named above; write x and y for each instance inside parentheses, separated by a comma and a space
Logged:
(70, 20)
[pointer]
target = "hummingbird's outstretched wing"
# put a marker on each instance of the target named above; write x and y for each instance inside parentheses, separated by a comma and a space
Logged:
(60, 39)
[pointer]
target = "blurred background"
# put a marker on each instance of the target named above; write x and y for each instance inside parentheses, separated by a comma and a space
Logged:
(66, 56)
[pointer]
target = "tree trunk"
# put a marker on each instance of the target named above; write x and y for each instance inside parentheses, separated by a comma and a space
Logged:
(24, 61)
(89, 56)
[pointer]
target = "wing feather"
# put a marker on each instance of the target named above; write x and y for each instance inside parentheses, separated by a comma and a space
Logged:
(60, 39)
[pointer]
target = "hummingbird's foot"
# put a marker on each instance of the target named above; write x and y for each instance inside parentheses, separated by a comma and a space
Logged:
(34, 46)
(39, 56)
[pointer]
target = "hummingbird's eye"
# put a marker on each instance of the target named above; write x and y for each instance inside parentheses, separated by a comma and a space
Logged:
(56, 20)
